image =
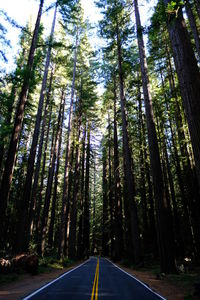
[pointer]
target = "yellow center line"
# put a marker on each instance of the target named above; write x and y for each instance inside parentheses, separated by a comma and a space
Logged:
(96, 282)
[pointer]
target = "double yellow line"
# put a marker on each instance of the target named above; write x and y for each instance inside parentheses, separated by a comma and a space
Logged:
(96, 282)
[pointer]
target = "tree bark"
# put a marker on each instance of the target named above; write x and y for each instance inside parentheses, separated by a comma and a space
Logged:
(73, 214)
(129, 184)
(189, 79)
(11, 154)
(86, 218)
(50, 179)
(80, 227)
(23, 243)
(54, 201)
(37, 219)
(110, 190)
(105, 237)
(164, 225)
(62, 236)
(37, 169)
(193, 26)
(118, 228)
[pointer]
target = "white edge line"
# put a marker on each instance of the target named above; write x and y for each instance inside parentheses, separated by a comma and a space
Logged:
(51, 282)
(146, 286)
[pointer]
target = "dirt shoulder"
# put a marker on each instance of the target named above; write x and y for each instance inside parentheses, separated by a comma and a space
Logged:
(176, 290)
(27, 283)
(171, 288)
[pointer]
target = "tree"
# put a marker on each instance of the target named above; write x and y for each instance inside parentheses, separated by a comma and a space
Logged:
(188, 74)
(11, 154)
(164, 226)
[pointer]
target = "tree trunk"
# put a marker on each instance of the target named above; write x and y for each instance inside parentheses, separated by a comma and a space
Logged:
(50, 178)
(145, 227)
(118, 243)
(197, 5)
(54, 201)
(62, 237)
(164, 225)
(189, 79)
(73, 214)
(110, 190)
(129, 184)
(94, 211)
(80, 227)
(8, 122)
(39, 156)
(186, 176)
(86, 220)
(37, 219)
(193, 26)
(23, 244)
(105, 236)
(11, 154)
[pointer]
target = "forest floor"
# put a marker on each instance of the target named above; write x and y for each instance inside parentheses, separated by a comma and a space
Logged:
(172, 287)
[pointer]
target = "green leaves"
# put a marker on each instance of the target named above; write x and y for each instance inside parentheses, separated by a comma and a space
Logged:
(173, 7)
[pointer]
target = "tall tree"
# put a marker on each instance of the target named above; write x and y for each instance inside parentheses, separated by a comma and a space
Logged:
(188, 73)
(11, 154)
(164, 226)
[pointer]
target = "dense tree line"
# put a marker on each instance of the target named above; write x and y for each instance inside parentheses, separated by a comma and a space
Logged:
(117, 173)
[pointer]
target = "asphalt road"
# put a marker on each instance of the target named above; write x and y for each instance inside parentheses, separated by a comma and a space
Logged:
(95, 279)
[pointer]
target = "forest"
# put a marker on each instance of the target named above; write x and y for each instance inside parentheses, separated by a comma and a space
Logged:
(100, 148)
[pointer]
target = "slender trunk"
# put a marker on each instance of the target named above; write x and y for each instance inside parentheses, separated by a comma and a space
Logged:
(12, 150)
(94, 212)
(145, 227)
(164, 226)
(105, 237)
(65, 187)
(129, 182)
(189, 79)
(80, 227)
(50, 179)
(197, 5)
(118, 245)
(69, 196)
(110, 189)
(39, 156)
(73, 214)
(193, 26)
(186, 176)
(86, 220)
(177, 228)
(8, 123)
(23, 242)
(37, 219)
(54, 201)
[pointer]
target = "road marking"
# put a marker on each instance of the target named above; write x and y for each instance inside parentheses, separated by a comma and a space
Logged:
(136, 279)
(96, 283)
(51, 282)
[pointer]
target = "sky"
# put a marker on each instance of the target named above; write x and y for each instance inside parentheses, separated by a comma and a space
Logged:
(22, 10)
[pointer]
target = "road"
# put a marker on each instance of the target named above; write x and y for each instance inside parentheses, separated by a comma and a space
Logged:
(95, 279)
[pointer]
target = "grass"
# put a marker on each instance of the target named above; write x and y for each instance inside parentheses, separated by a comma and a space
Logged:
(182, 280)
(46, 265)
(10, 277)
(185, 280)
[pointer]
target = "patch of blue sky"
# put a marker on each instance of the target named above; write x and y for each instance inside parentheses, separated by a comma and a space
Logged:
(22, 10)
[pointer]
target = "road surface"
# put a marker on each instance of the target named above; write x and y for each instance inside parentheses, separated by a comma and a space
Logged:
(96, 279)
